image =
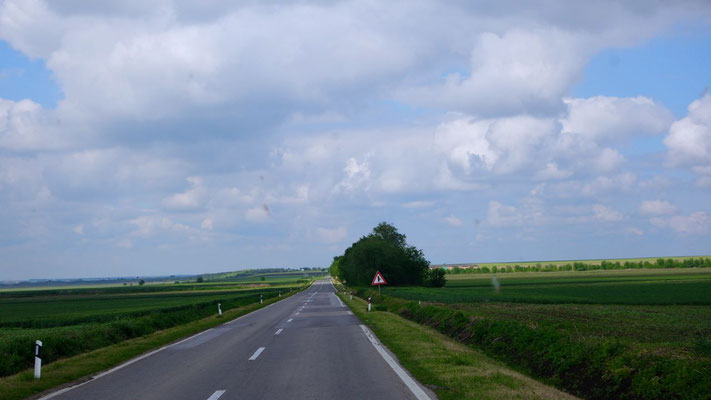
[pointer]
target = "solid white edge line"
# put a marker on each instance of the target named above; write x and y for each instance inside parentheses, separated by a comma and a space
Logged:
(280, 330)
(216, 395)
(141, 357)
(118, 367)
(256, 354)
(406, 379)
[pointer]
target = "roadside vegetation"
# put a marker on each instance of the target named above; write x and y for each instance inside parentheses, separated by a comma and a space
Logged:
(625, 334)
(78, 320)
(451, 369)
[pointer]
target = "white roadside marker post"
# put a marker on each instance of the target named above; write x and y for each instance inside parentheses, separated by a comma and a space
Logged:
(369, 304)
(219, 309)
(38, 360)
(280, 293)
(261, 300)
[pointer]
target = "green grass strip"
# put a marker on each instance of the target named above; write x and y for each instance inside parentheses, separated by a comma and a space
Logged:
(452, 370)
(73, 370)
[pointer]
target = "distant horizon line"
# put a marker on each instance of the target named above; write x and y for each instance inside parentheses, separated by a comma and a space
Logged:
(131, 277)
(573, 260)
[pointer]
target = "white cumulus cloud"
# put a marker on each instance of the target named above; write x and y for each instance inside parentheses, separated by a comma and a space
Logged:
(615, 118)
(656, 207)
(696, 223)
(689, 140)
(451, 220)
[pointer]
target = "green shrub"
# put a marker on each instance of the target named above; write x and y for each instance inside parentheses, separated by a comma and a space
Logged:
(436, 278)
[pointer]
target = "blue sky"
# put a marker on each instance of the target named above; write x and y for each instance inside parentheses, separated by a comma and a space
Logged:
(671, 68)
(166, 138)
(23, 78)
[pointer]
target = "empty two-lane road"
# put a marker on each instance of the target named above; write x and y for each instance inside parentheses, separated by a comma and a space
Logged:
(308, 346)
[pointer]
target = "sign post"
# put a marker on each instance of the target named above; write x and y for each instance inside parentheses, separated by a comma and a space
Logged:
(379, 280)
(38, 359)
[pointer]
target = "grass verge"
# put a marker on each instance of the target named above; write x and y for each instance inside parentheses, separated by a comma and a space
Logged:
(79, 368)
(452, 370)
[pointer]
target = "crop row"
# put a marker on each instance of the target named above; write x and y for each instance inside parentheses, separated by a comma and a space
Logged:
(70, 310)
(16, 346)
(635, 292)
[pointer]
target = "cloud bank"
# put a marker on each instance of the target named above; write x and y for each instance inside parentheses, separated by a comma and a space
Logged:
(197, 138)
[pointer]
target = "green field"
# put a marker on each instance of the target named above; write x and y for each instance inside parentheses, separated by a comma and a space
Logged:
(74, 320)
(684, 286)
(42, 310)
(635, 334)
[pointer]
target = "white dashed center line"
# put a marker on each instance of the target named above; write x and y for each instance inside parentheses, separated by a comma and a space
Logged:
(256, 354)
(290, 319)
(216, 395)
(278, 332)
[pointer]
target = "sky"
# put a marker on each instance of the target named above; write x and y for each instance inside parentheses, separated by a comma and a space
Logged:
(171, 137)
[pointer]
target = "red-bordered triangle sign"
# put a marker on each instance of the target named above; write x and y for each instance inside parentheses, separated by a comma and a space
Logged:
(378, 279)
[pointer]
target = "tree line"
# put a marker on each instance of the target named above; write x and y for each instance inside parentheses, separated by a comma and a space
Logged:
(581, 266)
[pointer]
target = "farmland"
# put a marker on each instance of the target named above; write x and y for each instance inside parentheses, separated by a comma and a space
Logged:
(683, 286)
(75, 320)
(643, 333)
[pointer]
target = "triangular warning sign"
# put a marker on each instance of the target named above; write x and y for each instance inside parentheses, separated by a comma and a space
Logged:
(378, 279)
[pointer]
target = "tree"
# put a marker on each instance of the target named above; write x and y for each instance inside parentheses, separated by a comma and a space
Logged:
(199, 279)
(390, 234)
(333, 269)
(384, 250)
(141, 282)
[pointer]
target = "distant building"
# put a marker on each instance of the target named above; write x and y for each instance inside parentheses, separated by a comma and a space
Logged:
(453, 266)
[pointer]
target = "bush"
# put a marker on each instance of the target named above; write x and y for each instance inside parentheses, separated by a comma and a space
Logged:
(436, 278)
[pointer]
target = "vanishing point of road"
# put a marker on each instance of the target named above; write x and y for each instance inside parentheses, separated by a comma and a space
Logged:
(307, 346)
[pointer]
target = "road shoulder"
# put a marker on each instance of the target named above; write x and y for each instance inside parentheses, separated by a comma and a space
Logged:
(452, 370)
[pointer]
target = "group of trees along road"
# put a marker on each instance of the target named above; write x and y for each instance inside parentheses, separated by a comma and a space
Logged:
(385, 250)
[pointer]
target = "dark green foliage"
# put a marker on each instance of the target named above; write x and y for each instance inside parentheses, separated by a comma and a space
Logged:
(436, 278)
(383, 250)
(199, 279)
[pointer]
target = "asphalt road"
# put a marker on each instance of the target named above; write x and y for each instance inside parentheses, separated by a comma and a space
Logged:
(307, 346)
